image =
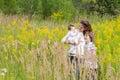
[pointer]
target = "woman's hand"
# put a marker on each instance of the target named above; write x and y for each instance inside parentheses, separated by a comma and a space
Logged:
(76, 43)
(67, 42)
(70, 42)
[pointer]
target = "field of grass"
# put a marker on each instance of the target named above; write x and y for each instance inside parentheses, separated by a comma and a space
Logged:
(29, 51)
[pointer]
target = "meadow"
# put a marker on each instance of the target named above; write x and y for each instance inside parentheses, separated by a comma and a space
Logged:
(31, 50)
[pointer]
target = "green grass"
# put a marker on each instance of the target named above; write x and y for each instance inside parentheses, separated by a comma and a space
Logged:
(44, 60)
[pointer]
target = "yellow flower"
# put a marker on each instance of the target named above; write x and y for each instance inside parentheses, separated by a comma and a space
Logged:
(9, 25)
(32, 32)
(26, 23)
(14, 22)
(10, 37)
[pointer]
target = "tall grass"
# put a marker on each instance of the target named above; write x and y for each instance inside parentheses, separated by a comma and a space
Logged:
(32, 51)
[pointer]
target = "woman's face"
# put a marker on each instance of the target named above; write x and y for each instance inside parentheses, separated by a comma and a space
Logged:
(81, 28)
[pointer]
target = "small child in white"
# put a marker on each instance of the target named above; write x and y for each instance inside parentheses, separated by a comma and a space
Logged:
(71, 37)
(91, 60)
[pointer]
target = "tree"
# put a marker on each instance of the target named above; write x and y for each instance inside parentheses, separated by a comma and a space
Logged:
(51, 6)
(10, 6)
(84, 5)
(107, 7)
(1, 4)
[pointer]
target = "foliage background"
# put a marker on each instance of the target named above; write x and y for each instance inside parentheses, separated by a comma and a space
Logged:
(65, 9)
(31, 33)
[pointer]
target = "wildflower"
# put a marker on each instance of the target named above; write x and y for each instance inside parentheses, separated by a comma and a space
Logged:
(33, 43)
(10, 38)
(2, 74)
(26, 23)
(4, 70)
(14, 22)
(9, 26)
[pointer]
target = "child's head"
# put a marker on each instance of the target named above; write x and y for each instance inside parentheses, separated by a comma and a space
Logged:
(71, 27)
(88, 37)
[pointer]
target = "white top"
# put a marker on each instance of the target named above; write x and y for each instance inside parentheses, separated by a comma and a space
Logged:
(90, 63)
(76, 37)
(70, 36)
(90, 46)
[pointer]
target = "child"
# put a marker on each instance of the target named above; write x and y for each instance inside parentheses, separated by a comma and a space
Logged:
(91, 51)
(71, 37)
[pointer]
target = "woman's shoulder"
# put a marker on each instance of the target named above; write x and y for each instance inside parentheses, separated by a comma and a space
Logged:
(80, 34)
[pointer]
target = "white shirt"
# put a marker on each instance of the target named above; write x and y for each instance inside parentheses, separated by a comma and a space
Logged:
(90, 46)
(76, 37)
(92, 64)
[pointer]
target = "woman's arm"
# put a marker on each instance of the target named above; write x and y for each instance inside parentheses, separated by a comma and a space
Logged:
(66, 41)
(69, 42)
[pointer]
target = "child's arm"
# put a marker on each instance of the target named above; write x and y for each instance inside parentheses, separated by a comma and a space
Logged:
(65, 38)
(66, 41)
(70, 42)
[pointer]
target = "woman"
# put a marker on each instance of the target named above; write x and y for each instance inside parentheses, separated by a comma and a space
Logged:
(78, 52)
